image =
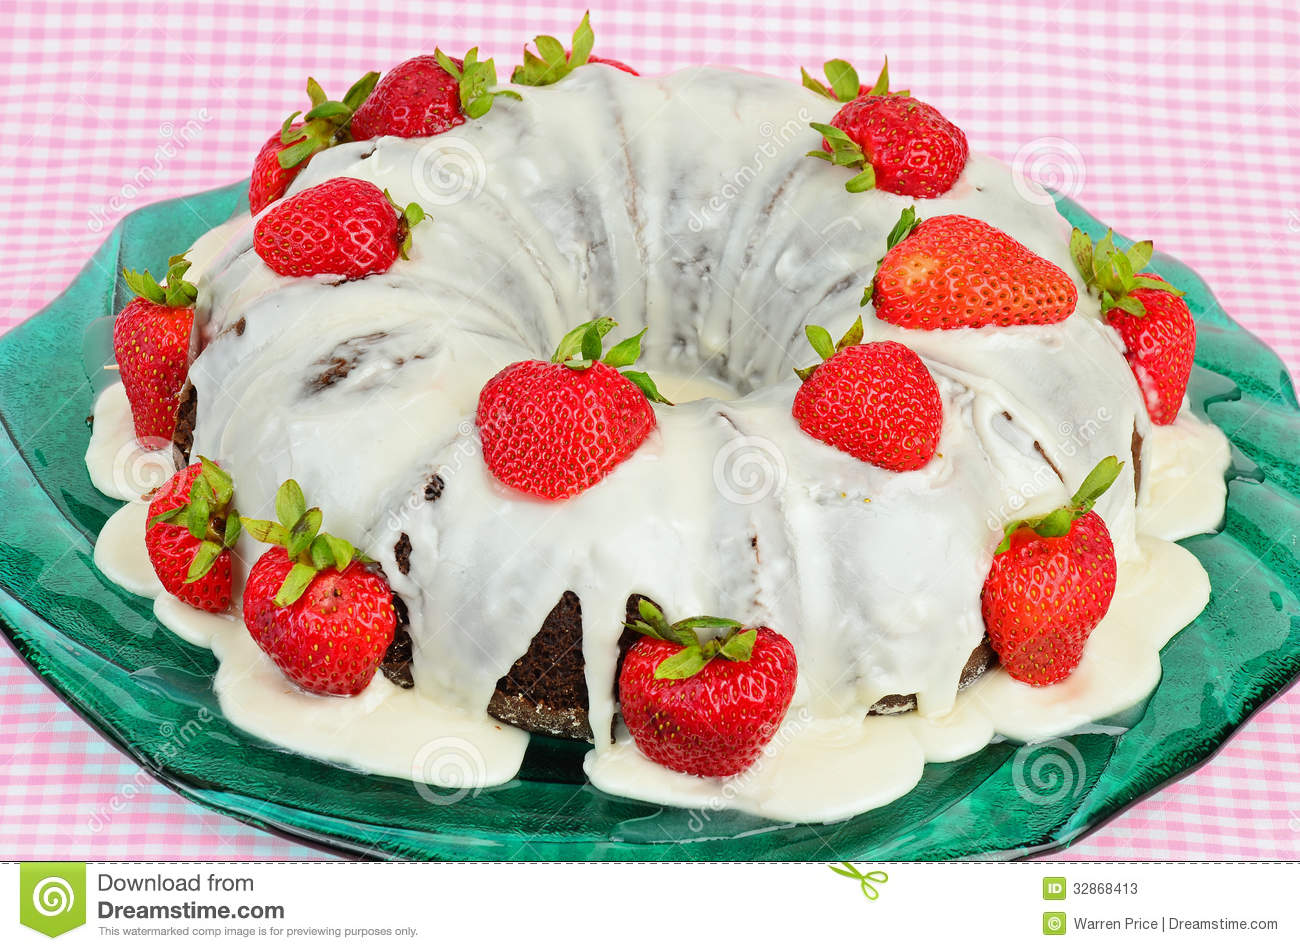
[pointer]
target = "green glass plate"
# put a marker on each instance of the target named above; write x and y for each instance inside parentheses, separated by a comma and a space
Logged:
(151, 694)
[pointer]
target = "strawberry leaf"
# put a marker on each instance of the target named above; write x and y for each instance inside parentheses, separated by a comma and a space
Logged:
(295, 584)
(290, 505)
(739, 646)
(814, 85)
(821, 341)
(570, 344)
(232, 530)
(625, 353)
(687, 662)
(204, 558)
(303, 532)
(881, 87)
(647, 386)
(843, 80)
(862, 182)
(270, 533)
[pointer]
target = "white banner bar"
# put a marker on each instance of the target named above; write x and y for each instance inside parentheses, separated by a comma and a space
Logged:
(539, 906)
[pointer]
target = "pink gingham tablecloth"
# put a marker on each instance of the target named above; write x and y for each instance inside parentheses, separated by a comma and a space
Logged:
(1174, 121)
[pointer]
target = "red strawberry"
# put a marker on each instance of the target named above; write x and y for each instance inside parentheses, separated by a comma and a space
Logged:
(342, 226)
(553, 429)
(705, 709)
(270, 179)
(842, 82)
(287, 153)
(313, 604)
(552, 62)
(189, 531)
(875, 401)
(902, 144)
(953, 271)
(1149, 314)
(151, 342)
(427, 95)
(1050, 584)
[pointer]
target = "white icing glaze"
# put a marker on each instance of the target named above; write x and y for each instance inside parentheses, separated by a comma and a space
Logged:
(690, 208)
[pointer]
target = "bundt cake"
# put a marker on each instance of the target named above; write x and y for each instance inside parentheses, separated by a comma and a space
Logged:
(857, 508)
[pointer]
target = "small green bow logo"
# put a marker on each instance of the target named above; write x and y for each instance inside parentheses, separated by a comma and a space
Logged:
(864, 879)
(52, 896)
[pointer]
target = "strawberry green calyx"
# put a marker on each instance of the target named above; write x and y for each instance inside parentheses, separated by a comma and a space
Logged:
(842, 83)
(1116, 274)
(208, 515)
(325, 123)
(904, 226)
(844, 151)
(476, 81)
(583, 345)
(407, 218)
(820, 339)
(736, 642)
(297, 531)
(178, 292)
(1057, 522)
(551, 62)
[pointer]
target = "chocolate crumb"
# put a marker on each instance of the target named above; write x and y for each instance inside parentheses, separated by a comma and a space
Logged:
(402, 552)
(433, 491)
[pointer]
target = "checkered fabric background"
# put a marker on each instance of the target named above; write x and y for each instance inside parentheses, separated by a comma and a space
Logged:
(1172, 120)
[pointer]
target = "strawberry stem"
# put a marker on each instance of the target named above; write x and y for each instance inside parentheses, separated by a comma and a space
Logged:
(551, 62)
(1115, 274)
(297, 531)
(208, 515)
(1057, 522)
(325, 124)
(820, 339)
(177, 292)
(582, 346)
(735, 643)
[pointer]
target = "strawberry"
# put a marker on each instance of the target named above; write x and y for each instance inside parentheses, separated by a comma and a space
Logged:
(875, 401)
(1150, 315)
(151, 342)
(842, 83)
(314, 604)
(342, 226)
(953, 271)
(902, 144)
(287, 153)
(427, 95)
(553, 429)
(1050, 584)
(189, 531)
(708, 708)
(552, 62)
